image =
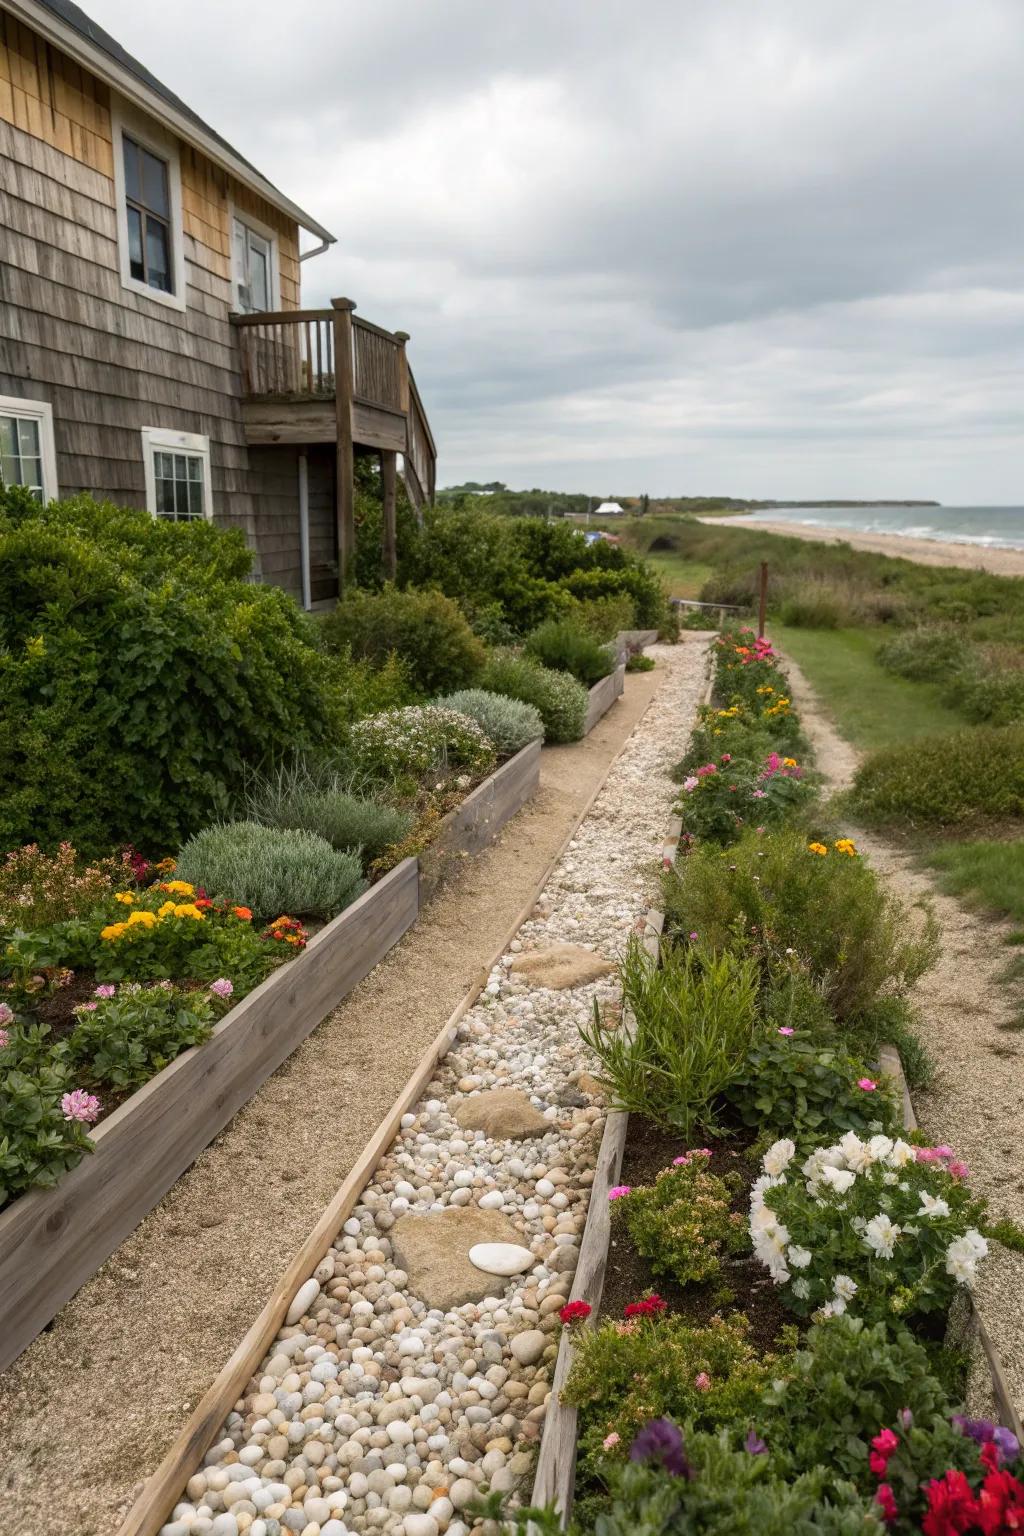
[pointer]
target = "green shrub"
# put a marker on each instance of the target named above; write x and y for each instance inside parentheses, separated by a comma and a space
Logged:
(770, 894)
(321, 803)
(815, 605)
(426, 630)
(558, 698)
(638, 662)
(928, 654)
(720, 798)
(130, 1037)
(606, 617)
(270, 870)
(682, 1222)
(808, 1091)
(564, 647)
(139, 674)
(694, 1019)
(990, 694)
(409, 746)
(950, 780)
(509, 723)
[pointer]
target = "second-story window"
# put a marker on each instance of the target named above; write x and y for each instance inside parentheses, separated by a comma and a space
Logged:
(148, 200)
(253, 263)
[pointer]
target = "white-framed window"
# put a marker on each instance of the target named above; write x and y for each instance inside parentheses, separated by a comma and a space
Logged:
(27, 454)
(255, 277)
(177, 474)
(147, 186)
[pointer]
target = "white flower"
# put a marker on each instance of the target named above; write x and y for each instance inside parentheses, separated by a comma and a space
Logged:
(778, 1157)
(858, 1223)
(881, 1147)
(931, 1205)
(881, 1234)
(798, 1257)
(838, 1179)
(963, 1254)
(834, 1308)
(844, 1287)
(979, 1247)
(902, 1153)
(763, 1219)
(889, 1178)
(801, 1288)
(904, 1187)
(857, 1153)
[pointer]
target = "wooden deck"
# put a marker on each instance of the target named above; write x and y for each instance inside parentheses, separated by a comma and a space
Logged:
(329, 376)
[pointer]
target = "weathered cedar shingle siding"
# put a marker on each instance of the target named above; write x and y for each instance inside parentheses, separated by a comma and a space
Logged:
(108, 360)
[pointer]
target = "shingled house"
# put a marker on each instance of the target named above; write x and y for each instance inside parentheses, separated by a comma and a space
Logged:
(153, 350)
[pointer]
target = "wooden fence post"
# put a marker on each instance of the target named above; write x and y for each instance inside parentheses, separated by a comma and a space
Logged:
(762, 606)
(389, 475)
(345, 503)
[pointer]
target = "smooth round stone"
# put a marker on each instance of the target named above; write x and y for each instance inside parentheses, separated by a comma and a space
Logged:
(301, 1302)
(492, 1201)
(501, 1258)
(528, 1347)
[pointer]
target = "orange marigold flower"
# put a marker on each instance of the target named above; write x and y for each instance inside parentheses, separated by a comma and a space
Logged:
(245, 913)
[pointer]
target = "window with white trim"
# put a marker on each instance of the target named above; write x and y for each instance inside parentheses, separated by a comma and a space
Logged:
(27, 454)
(177, 475)
(147, 184)
(254, 266)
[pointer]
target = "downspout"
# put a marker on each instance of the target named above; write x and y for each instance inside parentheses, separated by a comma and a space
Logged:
(307, 595)
(317, 250)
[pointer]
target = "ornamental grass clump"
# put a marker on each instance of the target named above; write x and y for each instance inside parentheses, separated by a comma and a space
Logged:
(297, 797)
(682, 1223)
(872, 1226)
(558, 698)
(772, 894)
(271, 870)
(695, 1017)
(510, 724)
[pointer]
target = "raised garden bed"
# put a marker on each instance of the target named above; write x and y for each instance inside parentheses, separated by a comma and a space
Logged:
(476, 822)
(603, 696)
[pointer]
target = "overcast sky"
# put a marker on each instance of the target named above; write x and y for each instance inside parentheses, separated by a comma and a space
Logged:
(758, 247)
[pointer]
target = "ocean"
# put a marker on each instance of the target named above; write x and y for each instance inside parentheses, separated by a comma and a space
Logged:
(989, 527)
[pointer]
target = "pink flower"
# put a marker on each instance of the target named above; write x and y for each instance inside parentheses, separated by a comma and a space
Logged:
(693, 937)
(6, 1014)
(617, 1192)
(610, 1440)
(784, 1029)
(927, 1155)
(759, 794)
(681, 1162)
(702, 1152)
(702, 1381)
(5, 1039)
(85, 1008)
(867, 1084)
(107, 990)
(958, 1169)
(691, 783)
(80, 1106)
(726, 757)
(709, 768)
(886, 1502)
(944, 1152)
(222, 987)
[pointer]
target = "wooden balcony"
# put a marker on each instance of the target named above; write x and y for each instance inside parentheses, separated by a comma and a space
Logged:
(328, 376)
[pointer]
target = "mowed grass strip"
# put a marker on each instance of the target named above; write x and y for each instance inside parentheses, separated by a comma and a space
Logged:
(986, 875)
(872, 708)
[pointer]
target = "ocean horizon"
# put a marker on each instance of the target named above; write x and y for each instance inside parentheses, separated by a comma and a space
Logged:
(987, 527)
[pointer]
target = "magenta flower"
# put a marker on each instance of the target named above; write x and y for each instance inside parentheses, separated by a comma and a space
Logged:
(958, 1169)
(784, 1029)
(867, 1084)
(222, 987)
(702, 1381)
(81, 1106)
(693, 937)
(681, 1162)
(944, 1152)
(617, 1192)
(6, 1014)
(107, 990)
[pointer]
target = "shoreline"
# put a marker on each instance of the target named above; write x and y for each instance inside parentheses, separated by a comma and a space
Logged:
(970, 557)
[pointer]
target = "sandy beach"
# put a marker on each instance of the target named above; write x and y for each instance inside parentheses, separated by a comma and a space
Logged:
(1001, 562)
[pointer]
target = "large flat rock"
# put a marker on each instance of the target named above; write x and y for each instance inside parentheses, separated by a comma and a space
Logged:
(562, 965)
(433, 1249)
(504, 1114)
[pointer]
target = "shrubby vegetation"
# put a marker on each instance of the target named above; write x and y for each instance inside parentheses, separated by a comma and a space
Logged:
(557, 697)
(271, 870)
(958, 780)
(426, 631)
(321, 802)
(564, 646)
(510, 724)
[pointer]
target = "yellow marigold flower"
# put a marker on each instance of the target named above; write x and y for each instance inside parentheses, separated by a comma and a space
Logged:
(766, 688)
(847, 846)
(142, 918)
(166, 866)
(112, 931)
(166, 909)
(789, 762)
(125, 897)
(818, 848)
(178, 888)
(189, 909)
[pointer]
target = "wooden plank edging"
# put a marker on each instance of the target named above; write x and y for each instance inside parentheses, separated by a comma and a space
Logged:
(163, 1488)
(476, 822)
(602, 696)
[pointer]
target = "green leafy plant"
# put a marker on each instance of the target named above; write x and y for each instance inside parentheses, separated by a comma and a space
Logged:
(866, 1223)
(722, 797)
(927, 653)
(559, 699)
(426, 630)
(694, 1020)
(683, 1222)
(766, 895)
(638, 662)
(416, 744)
(808, 1091)
(271, 870)
(509, 723)
(39, 1141)
(952, 780)
(131, 1036)
(564, 646)
(320, 802)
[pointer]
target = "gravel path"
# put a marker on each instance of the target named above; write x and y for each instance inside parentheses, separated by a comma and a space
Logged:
(88, 1410)
(414, 1367)
(967, 1012)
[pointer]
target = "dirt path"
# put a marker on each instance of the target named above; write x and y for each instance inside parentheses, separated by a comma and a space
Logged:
(967, 1014)
(88, 1409)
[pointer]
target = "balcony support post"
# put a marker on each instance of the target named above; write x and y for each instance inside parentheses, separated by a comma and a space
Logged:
(389, 477)
(345, 495)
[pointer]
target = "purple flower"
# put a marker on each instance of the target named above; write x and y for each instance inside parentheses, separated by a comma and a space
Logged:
(661, 1441)
(784, 1029)
(81, 1106)
(107, 990)
(754, 1445)
(222, 987)
(1007, 1442)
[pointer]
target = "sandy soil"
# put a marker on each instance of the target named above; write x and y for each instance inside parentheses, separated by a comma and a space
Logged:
(967, 1016)
(1001, 562)
(88, 1410)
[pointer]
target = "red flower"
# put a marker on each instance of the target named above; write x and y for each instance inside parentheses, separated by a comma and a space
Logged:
(884, 1499)
(879, 1464)
(203, 903)
(575, 1310)
(649, 1307)
(1000, 1505)
(883, 1445)
(990, 1456)
(951, 1506)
